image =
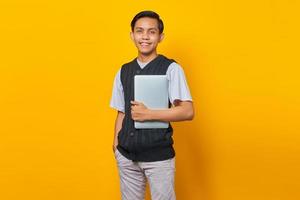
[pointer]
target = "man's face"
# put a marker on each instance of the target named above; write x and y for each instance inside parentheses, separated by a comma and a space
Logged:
(146, 35)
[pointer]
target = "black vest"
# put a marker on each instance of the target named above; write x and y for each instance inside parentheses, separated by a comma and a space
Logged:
(146, 145)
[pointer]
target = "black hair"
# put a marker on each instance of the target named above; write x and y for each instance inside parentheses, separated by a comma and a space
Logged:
(150, 14)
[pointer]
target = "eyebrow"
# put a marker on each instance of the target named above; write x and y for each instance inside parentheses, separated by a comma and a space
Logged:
(148, 29)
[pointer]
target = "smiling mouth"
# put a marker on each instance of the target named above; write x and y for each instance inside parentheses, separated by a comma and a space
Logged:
(144, 44)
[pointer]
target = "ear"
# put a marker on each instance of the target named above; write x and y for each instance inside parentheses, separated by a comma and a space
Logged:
(131, 36)
(162, 36)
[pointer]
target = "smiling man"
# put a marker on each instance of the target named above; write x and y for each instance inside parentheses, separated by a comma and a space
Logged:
(147, 154)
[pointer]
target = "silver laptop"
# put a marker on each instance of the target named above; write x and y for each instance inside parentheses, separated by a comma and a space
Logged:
(152, 91)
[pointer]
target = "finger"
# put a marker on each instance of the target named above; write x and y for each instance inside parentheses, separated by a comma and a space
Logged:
(133, 117)
(134, 102)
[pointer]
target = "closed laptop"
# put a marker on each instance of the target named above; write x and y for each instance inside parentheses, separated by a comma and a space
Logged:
(152, 91)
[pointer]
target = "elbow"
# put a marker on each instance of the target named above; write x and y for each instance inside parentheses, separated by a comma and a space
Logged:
(190, 115)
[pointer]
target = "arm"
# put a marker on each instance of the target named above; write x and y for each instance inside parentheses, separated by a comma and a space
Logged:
(182, 110)
(118, 126)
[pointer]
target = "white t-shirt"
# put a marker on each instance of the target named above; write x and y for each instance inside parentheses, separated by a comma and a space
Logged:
(178, 87)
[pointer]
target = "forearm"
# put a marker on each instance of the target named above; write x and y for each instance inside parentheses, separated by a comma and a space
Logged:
(173, 114)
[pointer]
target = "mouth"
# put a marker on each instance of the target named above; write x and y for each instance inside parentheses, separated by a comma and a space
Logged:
(144, 44)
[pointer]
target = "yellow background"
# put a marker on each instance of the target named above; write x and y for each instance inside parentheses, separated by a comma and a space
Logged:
(58, 60)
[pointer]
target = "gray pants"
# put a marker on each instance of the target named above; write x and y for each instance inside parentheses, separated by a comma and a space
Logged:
(133, 177)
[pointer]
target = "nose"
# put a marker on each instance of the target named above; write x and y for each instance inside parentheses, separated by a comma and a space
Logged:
(145, 36)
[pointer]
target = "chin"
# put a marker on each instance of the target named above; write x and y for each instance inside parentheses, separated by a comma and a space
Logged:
(146, 53)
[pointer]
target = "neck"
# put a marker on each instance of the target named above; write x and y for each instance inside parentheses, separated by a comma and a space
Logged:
(146, 58)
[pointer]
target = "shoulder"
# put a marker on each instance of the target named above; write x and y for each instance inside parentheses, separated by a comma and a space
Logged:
(128, 64)
(174, 67)
(167, 59)
(126, 69)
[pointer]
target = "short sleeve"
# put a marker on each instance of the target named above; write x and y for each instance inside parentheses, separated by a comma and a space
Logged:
(178, 86)
(117, 99)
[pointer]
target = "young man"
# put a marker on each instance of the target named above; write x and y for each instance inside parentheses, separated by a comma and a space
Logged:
(147, 154)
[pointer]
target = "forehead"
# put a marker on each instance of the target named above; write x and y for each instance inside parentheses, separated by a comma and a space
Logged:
(146, 23)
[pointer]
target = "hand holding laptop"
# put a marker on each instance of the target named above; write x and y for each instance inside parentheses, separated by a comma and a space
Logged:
(138, 111)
